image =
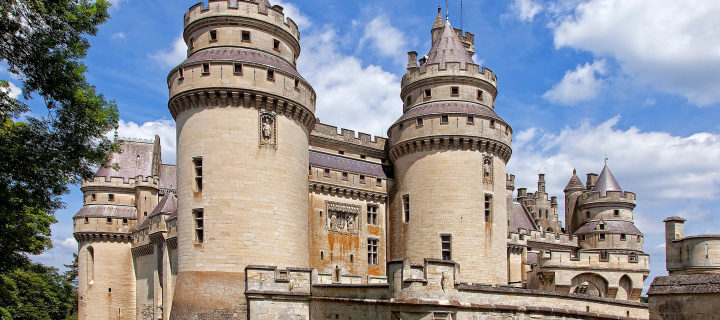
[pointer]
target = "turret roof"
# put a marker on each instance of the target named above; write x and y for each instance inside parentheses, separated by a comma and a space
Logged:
(606, 182)
(439, 23)
(574, 183)
(448, 48)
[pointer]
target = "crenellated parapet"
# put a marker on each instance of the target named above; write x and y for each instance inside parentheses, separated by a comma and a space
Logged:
(594, 260)
(119, 183)
(473, 71)
(625, 199)
(555, 238)
(324, 131)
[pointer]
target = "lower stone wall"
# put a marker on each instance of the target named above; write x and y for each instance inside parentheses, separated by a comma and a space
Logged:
(685, 307)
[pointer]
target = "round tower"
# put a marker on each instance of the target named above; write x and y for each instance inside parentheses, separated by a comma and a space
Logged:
(449, 149)
(243, 116)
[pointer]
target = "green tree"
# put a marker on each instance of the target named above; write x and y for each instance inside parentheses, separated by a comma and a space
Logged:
(71, 280)
(43, 42)
(34, 292)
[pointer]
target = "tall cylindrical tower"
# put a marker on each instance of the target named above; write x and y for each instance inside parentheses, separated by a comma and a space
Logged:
(449, 150)
(243, 116)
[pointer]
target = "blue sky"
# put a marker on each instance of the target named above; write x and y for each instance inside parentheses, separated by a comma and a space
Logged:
(636, 81)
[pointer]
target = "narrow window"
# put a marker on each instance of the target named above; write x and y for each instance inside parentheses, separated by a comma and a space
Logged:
(199, 231)
(379, 182)
(322, 255)
(297, 83)
(326, 173)
(87, 220)
(205, 68)
(428, 93)
(488, 208)
(616, 213)
(480, 95)
(191, 43)
(238, 68)
(93, 197)
(246, 36)
(639, 238)
(470, 120)
(408, 101)
(583, 237)
(181, 73)
(341, 152)
(276, 44)
(444, 119)
(623, 237)
(363, 157)
(111, 197)
(602, 227)
(90, 264)
(344, 175)
(372, 215)
(198, 162)
(587, 214)
(419, 121)
(400, 126)
(602, 237)
(446, 245)
(352, 258)
(109, 220)
(145, 214)
(455, 91)
(109, 290)
(213, 35)
(406, 207)
(372, 245)
(271, 75)
(125, 221)
(492, 123)
(362, 178)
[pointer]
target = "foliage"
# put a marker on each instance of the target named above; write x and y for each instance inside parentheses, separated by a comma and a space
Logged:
(644, 299)
(42, 42)
(35, 291)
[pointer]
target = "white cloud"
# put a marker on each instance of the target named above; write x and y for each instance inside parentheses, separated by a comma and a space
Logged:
(67, 244)
(172, 57)
(386, 39)
(671, 45)
(163, 128)
(13, 91)
(578, 85)
(646, 163)
(525, 10)
(349, 95)
(292, 12)
(118, 35)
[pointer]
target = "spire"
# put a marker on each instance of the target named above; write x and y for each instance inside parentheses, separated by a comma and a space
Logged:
(439, 23)
(448, 48)
(606, 182)
(574, 184)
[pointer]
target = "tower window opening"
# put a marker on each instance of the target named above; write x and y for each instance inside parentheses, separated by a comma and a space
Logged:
(379, 182)
(197, 162)
(445, 241)
(87, 220)
(444, 119)
(372, 214)
(363, 157)
(616, 213)
(111, 197)
(246, 36)
(639, 238)
(362, 178)
(406, 207)
(181, 73)
(344, 175)
(419, 121)
(428, 93)
(276, 44)
(602, 226)
(93, 197)
(488, 208)
(326, 173)
(400, 126)
(191, 43)
(602, 237)
(480, 95)
(470, 120)
(583, 237)
(199, 230)
(492, 123)
(238, 68)
(125, 221)
(109, 220)
(206, 68)
(109, 290)
(297, 83)
(587, 214)
(145, 214)
(408, 101)
(341, 152)
(322, 255)
(623, 237)
(372, 246)
(271, 75)
(455, 91)
(213, 35)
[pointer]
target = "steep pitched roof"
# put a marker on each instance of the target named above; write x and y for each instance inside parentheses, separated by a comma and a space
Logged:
(606, 182)
(167, 205)
(574, 183)
(448, 48)
(439, 23)
(347, 164)
(107, 211)
(136, 159)
(612, 226)
(168, 177)
(521, 219)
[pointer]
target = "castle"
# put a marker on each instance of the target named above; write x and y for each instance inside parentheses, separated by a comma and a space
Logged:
(270, 214)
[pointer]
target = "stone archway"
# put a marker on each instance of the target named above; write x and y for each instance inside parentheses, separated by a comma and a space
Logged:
(624, 288)
(589, 283)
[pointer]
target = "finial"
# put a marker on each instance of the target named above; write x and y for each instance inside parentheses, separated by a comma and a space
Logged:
(447, 12)
(606, 159)
(574, 172)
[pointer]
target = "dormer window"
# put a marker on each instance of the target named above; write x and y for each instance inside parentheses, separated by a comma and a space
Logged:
(602, 226)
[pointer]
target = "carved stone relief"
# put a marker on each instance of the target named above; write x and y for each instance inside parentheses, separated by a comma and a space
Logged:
(487, 169)
(267, 128)
(343, 219)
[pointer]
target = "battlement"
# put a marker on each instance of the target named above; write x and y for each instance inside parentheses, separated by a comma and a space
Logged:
(348, 136)
(562, 239)
(245, 9)
(120, 182)
(609, 196)
(451, 69)
(510, 181)
(595, 260)
(295, 281)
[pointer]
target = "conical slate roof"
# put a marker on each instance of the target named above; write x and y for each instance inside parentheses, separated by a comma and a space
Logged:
(574, 183)
(439, 23)
(448, 48)
(606, 182)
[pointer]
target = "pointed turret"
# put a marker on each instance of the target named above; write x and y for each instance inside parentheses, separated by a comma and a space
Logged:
(606, 182)
(574, 184)
(448, 48)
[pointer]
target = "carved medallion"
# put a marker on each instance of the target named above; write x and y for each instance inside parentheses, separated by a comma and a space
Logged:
(268, 130)
(342, 218)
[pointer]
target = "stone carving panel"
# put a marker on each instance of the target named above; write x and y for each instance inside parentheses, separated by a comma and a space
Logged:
(487, 169)
(268, 130)
(342, 218)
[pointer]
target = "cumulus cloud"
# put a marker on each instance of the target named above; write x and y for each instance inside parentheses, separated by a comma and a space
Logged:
(172, 57)
(118, 35)
(13, 91)
(671, 45)
(581, 84)
(350, 95)
(292, 12)
(525, 10)
(163, 128)
(386, 39)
